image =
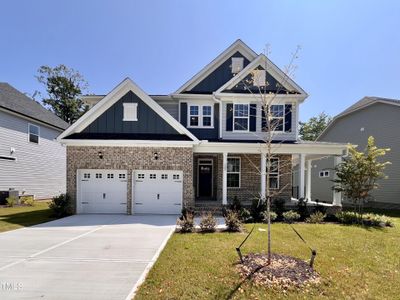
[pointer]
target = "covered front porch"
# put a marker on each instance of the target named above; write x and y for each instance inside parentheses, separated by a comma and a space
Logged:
(225, 171)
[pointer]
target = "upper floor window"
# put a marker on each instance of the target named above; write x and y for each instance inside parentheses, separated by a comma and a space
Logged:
(200, 116)
(241, 117)
(33, 132)
(130, 112)
(277, 117)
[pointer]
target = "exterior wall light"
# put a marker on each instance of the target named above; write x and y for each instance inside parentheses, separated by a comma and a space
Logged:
(155, 155)
(100, 154)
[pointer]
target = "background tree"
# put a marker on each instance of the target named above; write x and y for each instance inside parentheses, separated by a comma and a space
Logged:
(64, 87)
(310, 130)
(357, 176)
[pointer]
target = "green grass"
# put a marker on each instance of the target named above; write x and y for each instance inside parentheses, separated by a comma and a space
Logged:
(354, 262)
(23, 216)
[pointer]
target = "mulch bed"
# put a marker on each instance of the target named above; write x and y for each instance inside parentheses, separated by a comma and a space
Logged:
(284, 271)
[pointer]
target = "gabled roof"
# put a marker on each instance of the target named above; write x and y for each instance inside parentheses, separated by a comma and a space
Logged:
(238, 45)
(13, 100)
(271, 68)
(363, 103)
(124, 87)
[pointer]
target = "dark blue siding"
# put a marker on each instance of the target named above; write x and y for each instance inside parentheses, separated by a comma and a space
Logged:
(149, 122)
(218, 78)
(288, 117)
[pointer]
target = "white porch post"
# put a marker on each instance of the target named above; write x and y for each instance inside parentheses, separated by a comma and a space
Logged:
(337, 196)
(224, 178)
(308, 187)
(263, 175)
(301, 175)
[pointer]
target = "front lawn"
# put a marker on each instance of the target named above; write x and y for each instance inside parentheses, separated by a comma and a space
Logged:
(22, 216)
(354, 262)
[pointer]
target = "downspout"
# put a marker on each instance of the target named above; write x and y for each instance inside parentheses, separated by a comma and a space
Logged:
(220, 114)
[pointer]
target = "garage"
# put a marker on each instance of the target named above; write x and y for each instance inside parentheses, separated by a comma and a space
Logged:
(102, 191)
(157, 191)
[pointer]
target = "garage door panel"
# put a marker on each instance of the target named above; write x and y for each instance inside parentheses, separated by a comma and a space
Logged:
(102, 191)
(157, 191)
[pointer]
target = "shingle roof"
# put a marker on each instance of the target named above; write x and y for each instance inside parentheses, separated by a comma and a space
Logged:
(13, 100)
(365, 102)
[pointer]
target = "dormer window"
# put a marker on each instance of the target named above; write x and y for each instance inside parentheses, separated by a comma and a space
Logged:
(237, 64)
(259, 78)
(200, 116)
(130, 112)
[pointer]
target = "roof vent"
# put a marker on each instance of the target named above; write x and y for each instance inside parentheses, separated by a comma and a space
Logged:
(237, 64)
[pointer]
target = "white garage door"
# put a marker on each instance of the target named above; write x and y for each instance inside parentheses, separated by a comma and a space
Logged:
(157, 192)
(102, 191)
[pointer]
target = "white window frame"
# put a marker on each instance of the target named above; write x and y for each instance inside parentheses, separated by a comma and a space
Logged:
(325, 173)
(29, 133)
(240, 171)
(274, 174)
(272, 117)
(200, 116)
(125, 112)
(248, 118)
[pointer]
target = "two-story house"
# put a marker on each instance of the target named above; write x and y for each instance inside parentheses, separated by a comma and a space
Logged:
(204, 144)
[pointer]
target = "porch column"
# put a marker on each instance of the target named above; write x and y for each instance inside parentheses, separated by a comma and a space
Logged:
(308, 187)
(224, 178)
(337, 196)
(263, 172)
(301, 175)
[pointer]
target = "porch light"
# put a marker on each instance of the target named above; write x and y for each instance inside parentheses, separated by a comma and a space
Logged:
(155, 155)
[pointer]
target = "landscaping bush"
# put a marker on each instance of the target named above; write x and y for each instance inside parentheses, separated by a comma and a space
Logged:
(27, 200)
(186, 222)
(370, 219)
(302, 209)
(291, 216)
(61, 205)
(208, 223)
(273, 216)
(232, 221)
(11, 201)
(348, 217)
(185, 211)
(245, 216)
(257, 208)
(278, 206)
(236, 205)
(316, 218)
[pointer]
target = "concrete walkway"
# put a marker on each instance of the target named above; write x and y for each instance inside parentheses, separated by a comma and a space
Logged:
(81, 257)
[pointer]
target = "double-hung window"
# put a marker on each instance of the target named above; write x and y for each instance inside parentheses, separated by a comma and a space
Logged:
(241, 117)
(273, 168)
(200, 116)
(277, 117)
(233, 172)
(33, 133)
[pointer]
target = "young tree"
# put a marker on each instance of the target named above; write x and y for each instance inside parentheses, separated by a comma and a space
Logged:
(64, 87)
(310, 130)
(357, 176)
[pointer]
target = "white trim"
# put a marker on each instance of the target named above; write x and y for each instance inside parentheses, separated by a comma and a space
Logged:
(224, 178)
(308, 179)
(29, 133)
(238, 45)
(283, 118)
(240, 172)
(119, 91)
(200, 115)
(131, 143)
(127, 106)
(207, 162)
(271, 68)
(325, 174)
(248, 117)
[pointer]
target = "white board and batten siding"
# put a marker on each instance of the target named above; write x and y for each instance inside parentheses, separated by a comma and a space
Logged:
(232, 135)
(39, 169)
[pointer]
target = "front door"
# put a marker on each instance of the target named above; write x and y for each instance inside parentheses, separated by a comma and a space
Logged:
(205, 176)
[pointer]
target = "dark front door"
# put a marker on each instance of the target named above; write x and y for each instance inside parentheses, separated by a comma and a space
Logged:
(205, 180)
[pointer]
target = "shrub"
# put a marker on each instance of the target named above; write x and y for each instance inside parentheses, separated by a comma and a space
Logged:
(27, 200)
(347, 217)
(302, 208)
(278, 205)
(245, 216)
(208, 223)
(232, 221)
(273, 216)
(186, 222)
(291, 216)
(370, 219)
(316, 218)
(61, 205)
(186, 211)
(11, 201)
(236, 205)
(256, 209)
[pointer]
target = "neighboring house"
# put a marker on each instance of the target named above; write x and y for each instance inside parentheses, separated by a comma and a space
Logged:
(371, 116)
(32, 161)
(199, 146)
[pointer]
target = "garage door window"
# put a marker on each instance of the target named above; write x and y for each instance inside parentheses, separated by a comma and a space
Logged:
(164, 176)
(99, 175)
(153, 176)
(86, 175)
(140, 176)
(121, 176)
(175, 176)
(110, 176)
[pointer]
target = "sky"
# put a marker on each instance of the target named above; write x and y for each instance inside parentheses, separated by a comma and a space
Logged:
(349, 49)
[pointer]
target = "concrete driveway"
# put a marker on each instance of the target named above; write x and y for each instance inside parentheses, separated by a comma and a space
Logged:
(81, 257)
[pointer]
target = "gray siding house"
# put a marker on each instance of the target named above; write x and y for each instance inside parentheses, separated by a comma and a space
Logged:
(371, 116)
(32, 161)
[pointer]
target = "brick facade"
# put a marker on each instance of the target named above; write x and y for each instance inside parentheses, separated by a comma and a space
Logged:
(131, 158)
